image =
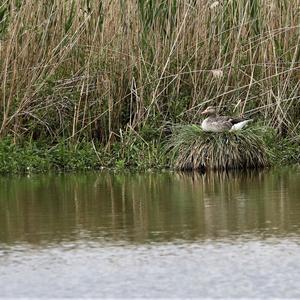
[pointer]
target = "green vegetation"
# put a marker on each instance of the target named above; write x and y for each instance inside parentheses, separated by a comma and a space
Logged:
(39, 157)
(187, 148)
(101, 79)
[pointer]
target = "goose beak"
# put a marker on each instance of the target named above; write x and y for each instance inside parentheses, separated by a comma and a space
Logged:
(204, 112)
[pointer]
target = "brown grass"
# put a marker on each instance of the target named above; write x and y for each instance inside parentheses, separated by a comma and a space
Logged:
(93, 69)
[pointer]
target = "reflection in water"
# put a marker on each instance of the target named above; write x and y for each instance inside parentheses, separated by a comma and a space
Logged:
(219, 235)
(149, 207)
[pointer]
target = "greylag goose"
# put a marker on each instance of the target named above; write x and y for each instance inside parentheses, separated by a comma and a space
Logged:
(215, 123)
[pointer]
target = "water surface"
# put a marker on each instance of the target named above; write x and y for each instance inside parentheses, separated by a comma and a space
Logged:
(151, 235)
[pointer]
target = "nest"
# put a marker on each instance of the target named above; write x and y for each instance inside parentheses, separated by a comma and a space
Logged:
(190, 148)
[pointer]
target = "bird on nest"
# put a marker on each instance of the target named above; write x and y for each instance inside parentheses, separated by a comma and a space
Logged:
(215, 123)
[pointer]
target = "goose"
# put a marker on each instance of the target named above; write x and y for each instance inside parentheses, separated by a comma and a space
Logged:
(215, 123)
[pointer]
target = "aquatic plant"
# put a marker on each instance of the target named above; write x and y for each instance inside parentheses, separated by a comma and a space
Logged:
(191, 148)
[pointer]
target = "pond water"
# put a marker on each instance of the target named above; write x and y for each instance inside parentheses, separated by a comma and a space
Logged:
(159, 234)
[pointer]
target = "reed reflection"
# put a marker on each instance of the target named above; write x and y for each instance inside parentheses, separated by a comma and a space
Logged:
(148, 207)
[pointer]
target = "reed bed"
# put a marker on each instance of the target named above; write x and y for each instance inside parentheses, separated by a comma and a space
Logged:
(90, 69)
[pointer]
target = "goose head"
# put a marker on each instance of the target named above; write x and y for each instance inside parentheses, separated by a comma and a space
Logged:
(209, 111)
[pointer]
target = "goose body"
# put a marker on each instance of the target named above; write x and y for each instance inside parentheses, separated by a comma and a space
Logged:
(214, 123)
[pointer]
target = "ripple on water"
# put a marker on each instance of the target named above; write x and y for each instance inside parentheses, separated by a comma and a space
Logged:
(221, 268)
(151, 235)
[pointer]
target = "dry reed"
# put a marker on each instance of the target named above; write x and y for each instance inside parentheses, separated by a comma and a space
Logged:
(87, 68)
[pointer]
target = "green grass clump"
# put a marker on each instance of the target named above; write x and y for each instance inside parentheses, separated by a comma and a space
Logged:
(191, 148)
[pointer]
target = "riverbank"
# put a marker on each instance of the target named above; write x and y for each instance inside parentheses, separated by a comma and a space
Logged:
(92, 84)
(39, 157)
(135, 154)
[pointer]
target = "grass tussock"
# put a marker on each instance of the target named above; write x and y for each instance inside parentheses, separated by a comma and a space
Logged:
(191, 149)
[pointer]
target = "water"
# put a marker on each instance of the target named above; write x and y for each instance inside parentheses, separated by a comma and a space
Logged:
(151, 235)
